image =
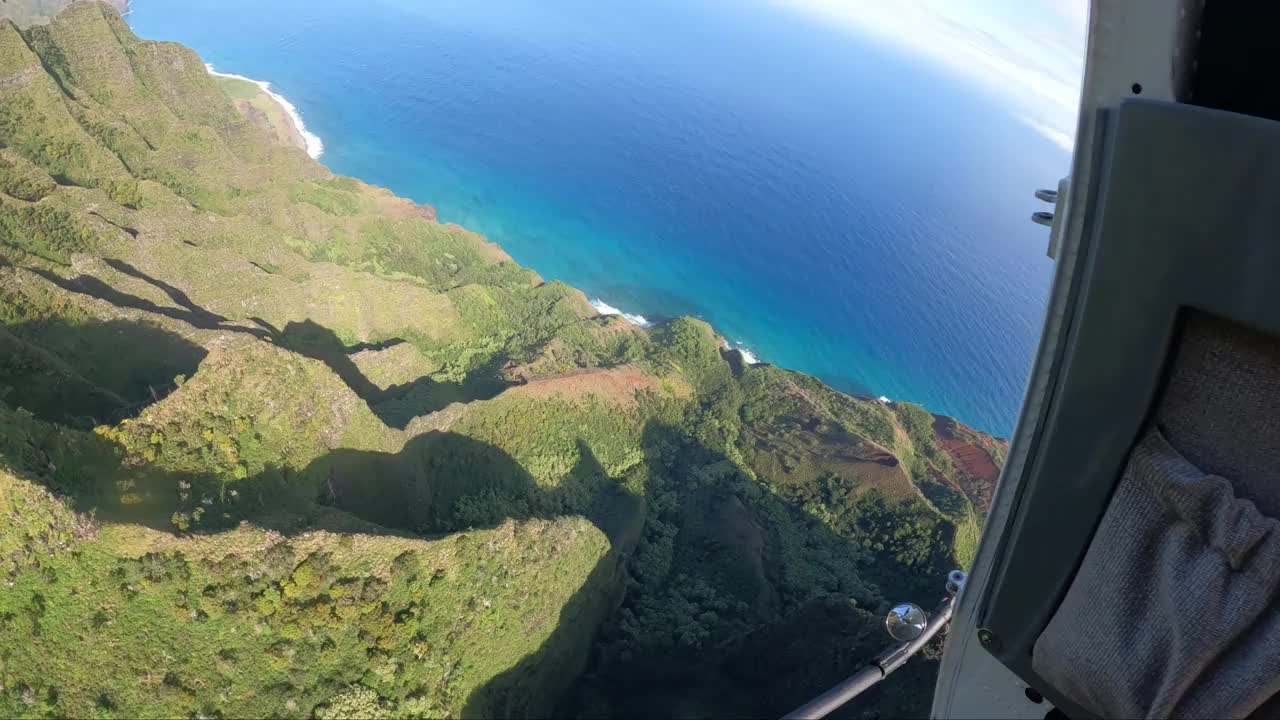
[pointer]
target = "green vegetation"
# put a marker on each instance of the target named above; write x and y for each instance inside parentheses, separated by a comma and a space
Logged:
(48, 232)
(22, 180)
(333, 202)
(276, 443)
(238, 89)
(33, 12)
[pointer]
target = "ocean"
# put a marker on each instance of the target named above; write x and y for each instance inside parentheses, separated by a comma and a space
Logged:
(829, 202)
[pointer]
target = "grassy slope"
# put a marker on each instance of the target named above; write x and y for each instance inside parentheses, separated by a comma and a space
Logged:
(261, 109)
(275, 442)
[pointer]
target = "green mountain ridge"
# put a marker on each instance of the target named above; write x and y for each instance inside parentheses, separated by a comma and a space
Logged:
(25, 13)
(274, 442)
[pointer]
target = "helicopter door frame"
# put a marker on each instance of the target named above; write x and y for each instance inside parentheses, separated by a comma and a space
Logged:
(1132, 45)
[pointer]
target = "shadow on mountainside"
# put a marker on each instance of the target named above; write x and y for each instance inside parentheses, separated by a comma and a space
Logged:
(443, 482)
(439, 483)
(769, 645)
(396, 406)
(534, 686)
(177, 296)
(81, 374)
(455, 482)
(745, 612)
(187, 312)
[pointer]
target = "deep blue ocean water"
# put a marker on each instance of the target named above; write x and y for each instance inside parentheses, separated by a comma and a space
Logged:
(830, 202)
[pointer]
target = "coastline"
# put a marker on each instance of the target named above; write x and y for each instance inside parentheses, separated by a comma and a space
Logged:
(312, 143)
(314, 147)
(599, 228)
(605, 308)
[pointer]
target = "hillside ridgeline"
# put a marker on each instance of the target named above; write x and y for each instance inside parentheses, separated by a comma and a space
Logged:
(274, 442)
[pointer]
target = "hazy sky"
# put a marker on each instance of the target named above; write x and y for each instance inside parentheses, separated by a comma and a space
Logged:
(1029, 52)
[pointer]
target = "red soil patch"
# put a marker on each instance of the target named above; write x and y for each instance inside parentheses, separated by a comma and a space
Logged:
(968, 448)
(617, 385)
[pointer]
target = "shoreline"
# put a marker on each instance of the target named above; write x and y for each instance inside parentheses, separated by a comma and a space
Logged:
(604, 308)
(779, 340)
(314, 146)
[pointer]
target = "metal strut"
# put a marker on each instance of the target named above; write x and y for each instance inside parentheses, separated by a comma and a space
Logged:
(886, 662)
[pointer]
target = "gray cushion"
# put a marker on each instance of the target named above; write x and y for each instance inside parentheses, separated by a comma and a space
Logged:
(1171, 612)
(1221, 406)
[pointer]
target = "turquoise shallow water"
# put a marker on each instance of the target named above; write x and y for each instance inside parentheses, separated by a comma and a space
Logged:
(829, 202)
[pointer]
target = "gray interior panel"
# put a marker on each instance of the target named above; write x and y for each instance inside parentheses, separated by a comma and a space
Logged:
(1187, 217)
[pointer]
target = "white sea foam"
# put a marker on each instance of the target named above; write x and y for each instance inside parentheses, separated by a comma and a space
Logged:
(885, 400)
(747, 356)
(605, 308)
(315, 146)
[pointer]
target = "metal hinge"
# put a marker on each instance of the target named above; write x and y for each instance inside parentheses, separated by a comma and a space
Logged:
(1056, 219)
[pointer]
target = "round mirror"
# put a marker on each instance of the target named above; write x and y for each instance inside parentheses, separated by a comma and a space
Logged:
(905, 622)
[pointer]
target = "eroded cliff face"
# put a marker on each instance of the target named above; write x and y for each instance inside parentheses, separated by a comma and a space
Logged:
(275, 442)
(978, 459)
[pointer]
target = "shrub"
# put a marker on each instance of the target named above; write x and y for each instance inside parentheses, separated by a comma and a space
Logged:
(47, 232)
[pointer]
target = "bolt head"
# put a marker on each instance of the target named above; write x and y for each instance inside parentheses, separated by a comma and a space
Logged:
(987, 638)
